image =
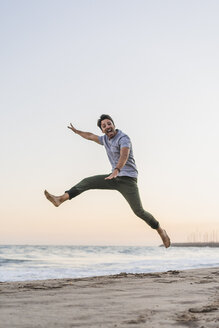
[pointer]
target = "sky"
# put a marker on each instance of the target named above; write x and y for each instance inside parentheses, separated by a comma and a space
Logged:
(153, 66)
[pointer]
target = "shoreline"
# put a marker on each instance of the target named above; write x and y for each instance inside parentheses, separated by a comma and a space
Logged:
(113, 275)
(159, 299)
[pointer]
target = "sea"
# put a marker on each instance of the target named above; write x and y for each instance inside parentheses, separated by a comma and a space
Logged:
(37, 262)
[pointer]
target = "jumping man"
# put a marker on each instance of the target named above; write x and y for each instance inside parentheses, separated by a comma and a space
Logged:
(123, 177)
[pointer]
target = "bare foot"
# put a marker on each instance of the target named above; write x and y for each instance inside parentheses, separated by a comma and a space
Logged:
(164, 236)
(55, 200)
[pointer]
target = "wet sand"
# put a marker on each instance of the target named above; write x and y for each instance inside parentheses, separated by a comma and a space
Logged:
(169, 299)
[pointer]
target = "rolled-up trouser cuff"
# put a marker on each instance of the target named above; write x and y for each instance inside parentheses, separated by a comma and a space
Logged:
(73, 192)
(154, 225)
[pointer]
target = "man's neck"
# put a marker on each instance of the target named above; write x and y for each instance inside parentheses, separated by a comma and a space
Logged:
(114, 134)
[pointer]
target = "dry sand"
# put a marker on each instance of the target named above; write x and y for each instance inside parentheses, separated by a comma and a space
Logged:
(170, 299)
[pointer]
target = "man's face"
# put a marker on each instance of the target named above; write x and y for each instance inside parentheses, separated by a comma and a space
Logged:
(108, 128)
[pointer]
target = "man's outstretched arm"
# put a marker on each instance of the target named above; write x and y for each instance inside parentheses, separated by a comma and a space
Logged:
(85, 135)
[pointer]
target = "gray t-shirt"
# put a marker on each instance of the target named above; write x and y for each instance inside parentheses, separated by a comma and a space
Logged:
(113, 147)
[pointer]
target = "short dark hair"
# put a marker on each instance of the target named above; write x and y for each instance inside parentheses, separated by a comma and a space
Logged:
(104, 117)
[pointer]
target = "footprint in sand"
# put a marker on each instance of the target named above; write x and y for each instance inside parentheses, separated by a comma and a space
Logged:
(204, 309)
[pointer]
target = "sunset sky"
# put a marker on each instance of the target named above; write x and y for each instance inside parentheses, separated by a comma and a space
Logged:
(153, 66)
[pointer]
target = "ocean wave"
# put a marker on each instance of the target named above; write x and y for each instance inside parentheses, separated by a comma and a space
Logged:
(12, 261)
(44, 262)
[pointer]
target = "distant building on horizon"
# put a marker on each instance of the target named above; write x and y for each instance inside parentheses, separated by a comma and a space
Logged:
(206, 237)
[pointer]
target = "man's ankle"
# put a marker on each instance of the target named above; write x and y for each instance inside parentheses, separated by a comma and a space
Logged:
(64, 197)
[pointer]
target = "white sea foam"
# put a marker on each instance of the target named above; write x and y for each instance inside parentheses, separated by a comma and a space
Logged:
(18, 263)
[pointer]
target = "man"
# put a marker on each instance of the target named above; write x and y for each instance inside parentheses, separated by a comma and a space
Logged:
(123, 177)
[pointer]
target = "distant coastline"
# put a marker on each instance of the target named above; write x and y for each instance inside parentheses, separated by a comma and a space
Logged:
(196, 244)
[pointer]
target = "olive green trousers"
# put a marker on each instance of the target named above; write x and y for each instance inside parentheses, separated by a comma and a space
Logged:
(127, 186)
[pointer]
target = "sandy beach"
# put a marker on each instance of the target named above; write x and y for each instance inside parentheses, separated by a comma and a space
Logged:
(169, 299)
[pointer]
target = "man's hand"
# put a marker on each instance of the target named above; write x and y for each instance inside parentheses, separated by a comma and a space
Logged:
(72, 128)
(113, 175)
(124, 154)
